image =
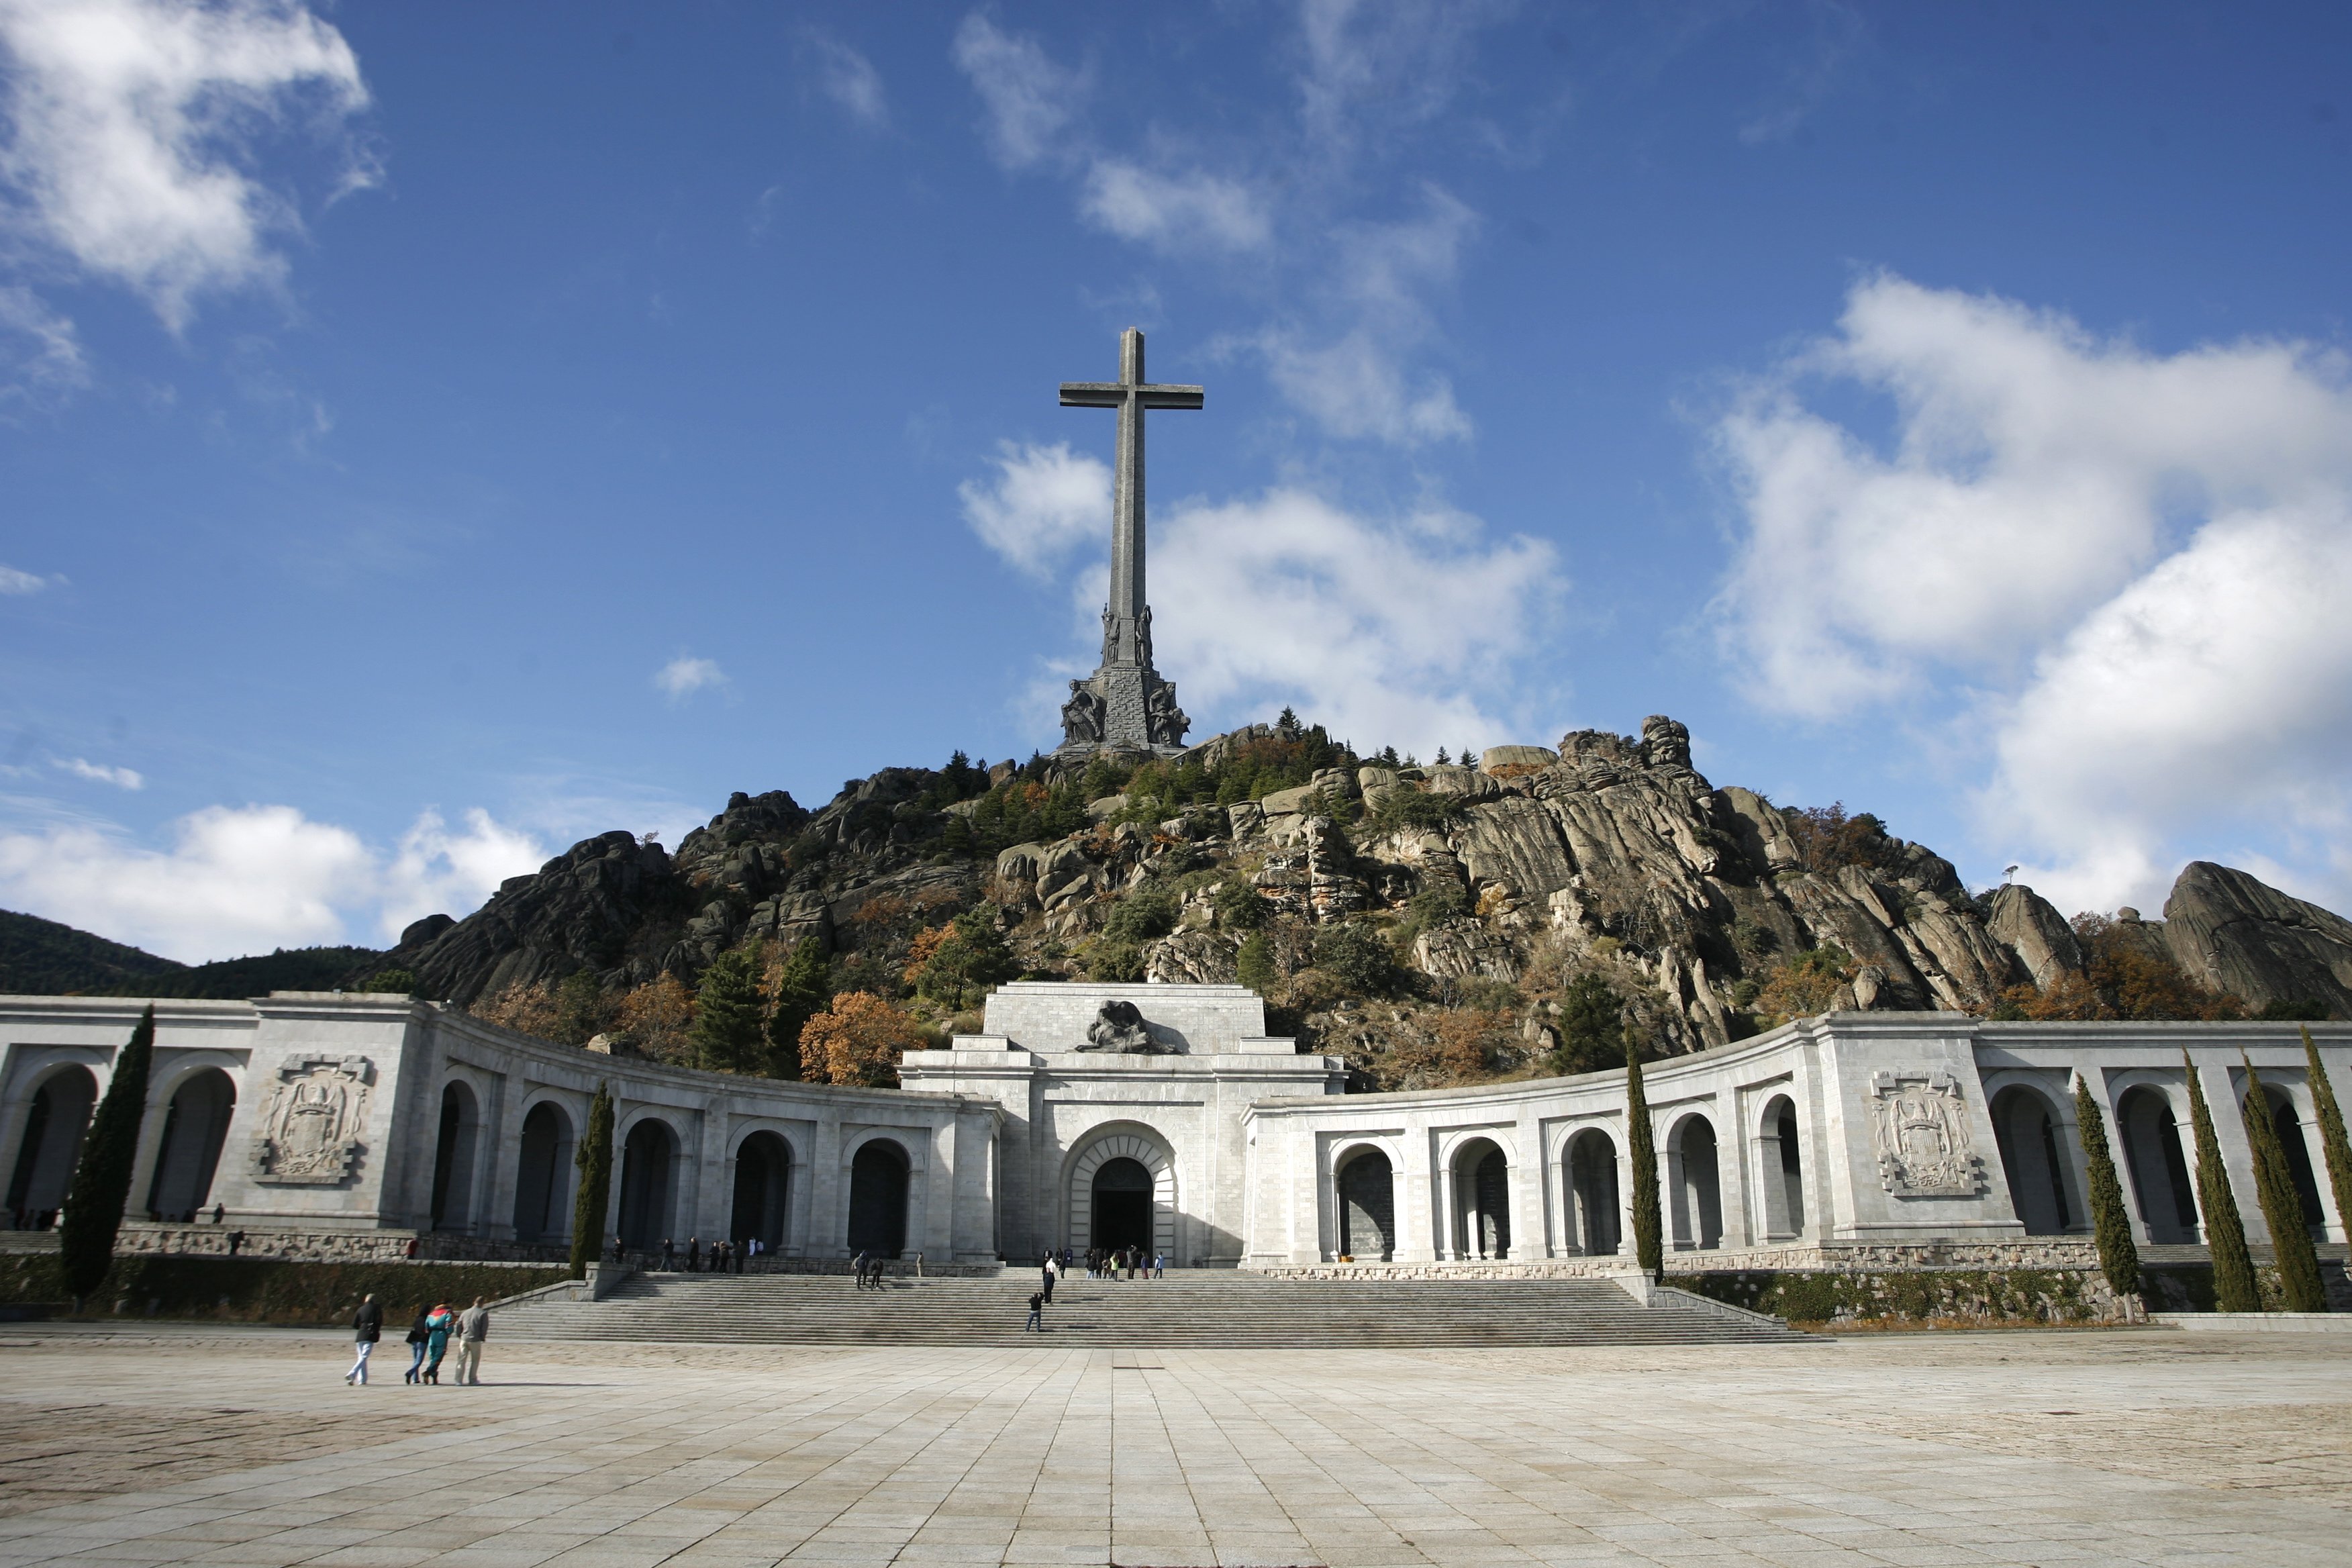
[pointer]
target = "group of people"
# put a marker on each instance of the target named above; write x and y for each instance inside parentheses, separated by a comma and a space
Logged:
(725, 1257)
(1106, 1262)
(867, 1269)
(429, 1340)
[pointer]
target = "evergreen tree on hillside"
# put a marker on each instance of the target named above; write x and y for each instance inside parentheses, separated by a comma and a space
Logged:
(2333, 1143)
(594, 1160)
(2298, 1262)
(2118, 1253)
(803, 988)
(2234, 1289)
(1649, 1241)
(102, 1183)
(1592, 1026)
(726, 1032)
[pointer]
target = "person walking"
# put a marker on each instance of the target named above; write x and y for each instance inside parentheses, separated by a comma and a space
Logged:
(437, 1326)
(367, 1328)
(857, 1272)
(1049, 1280)
(1160, 1266)
(1036, 1312)
(670, 1255)
(419, 1331)
(473, 1331)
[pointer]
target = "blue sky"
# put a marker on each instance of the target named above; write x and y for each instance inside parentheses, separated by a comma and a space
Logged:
(435, 433)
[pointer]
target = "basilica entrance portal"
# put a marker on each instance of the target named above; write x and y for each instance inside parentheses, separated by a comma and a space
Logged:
(1122, 1208)
(1121, 1188)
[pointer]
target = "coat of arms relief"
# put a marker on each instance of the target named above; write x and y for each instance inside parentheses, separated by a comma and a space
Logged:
(1919, 1129)
(308, 1131)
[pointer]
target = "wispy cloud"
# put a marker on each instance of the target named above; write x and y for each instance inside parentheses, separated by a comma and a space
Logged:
(14, 581)
(848, 79)
(1190, 208)
(1042, 501)
(99, 773)
(1028, 98)
(40, 354)
(684, 676)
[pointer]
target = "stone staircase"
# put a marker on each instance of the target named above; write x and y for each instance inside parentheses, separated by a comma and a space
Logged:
(1202, 1308)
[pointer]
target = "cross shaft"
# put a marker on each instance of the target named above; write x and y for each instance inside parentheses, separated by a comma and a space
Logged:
(1130, 395)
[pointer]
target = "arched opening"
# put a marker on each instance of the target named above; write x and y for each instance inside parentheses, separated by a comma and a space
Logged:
(1367, 1193)
(1121, 1212)
(877, 1199)
(54, 1125)
(1793, 1167)
(1593, 1200)
(2297, 1146)
(763, 1164)
(195, 1125)
(544, 1175)
(1482, 1201)
(1696, 1183)
(2159, 1164)
(1780, 1171)
(649, 1156)
(452, 1159)
(2027, 1135)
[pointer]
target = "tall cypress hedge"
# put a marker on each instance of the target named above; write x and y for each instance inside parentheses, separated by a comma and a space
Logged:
(2298, 1262)
(2118, 1255)
(594, 1159)
(2234, 1289)
(1648, 1249)
(2338, 1148)
(101, 1181)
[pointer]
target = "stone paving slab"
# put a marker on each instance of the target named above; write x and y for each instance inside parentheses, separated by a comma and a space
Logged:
(2139, 1447)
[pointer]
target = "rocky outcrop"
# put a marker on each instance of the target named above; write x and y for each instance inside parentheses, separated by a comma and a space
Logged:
(583, 910)
(2027, 924)
(2235, 933)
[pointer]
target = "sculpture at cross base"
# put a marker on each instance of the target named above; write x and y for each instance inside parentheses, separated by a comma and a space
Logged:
(1131, 706)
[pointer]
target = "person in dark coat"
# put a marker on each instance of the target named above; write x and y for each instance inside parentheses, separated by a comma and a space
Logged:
(418, 1332)
(1036, 1312)
(367, 1328)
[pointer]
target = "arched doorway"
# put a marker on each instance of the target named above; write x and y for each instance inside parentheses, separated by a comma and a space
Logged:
(542, 1175)
(452, 1159)
(54, 1125)
(649, 1156)
(2297, 1148)
(1121, 1211)
(1367, 1194)
(194, 1127)
(2159, 1164)
(2026, 1133)
(763, 1163)
(877, 1199)
(1136, 1146)
(1592, 1197)
(1785, 1148)
(1482, 1201)
(1695, 1180)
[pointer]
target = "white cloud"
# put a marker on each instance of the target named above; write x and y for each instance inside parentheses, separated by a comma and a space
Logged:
(1030, 99)
(2123, 569)
(850, 79)
(686, 675)
(1355, 388)
(1042, 501)
(241, 880)
(1194, 210)
(40, 354)
(134, 124)
(14, 581)
(99, 773)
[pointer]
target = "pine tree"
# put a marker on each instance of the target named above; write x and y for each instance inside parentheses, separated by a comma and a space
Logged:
(2298, 1262)
(2118, 1253)
(1253, 965)
(1649, 1245)
(595, 1160)
(725, 1031)
(101, 1181)
(803, 986)
(2234, 1289)
(2333, 1143)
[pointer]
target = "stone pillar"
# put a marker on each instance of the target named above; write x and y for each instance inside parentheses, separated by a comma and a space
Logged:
(2219, 1083)
(714, 1190)
(1449, 1219)
(828, 1206)
(1531, 1233)
(490, 1205)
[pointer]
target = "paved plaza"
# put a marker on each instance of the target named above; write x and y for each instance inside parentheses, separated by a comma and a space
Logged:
(244, 1447)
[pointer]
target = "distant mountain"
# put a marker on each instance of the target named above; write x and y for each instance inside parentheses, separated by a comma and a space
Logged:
(40, 957)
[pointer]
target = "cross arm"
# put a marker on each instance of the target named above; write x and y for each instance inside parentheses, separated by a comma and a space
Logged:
(1111, 394)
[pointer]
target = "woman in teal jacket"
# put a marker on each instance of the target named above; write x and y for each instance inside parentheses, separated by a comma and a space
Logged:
(437, 1324)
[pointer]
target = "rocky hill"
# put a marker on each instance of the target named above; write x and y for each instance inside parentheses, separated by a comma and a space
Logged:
(43, 957)
(1435, 923)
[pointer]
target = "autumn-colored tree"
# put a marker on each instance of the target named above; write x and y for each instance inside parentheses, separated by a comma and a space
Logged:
(2298, 1260)
(858, 1040)
(2126, 976)
(658, 1016)
(527, 1009)
(1807, 984)
(972, 957)
(2234, 1289)
(2332, 1141)
(1827, 839)
(918, 951)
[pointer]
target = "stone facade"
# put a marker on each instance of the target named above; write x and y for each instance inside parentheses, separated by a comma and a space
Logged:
(1165, 1115)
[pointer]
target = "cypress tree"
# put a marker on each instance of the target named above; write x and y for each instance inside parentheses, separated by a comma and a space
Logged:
(1649, 1248)
(2332, 1141)
(594, 1159)
(2298, 1262)
(2118, 1255)
(101, 1181)
(2234, 1289)
(725, 1031)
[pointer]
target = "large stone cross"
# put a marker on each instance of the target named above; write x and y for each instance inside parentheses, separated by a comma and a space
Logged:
(1126, 638)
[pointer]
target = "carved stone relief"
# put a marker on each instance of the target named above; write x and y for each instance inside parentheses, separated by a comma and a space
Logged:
(1919, 1128)
(308, 1131)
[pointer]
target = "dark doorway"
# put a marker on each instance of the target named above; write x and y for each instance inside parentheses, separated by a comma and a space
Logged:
(2159, 1166)
(2026, 1135)
(540, 1183)
(647, 1157)
(763, 1167)
(195, 1124)
(53, 1133)
(1123, 1206)
(1593, 1184)
(2297, 1150)
(1368, 1207)
(877, 1199)
(453, 1159)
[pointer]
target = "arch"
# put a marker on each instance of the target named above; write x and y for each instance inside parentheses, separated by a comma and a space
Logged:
(763, 1164)
(453, 1157)
(1590, 1169)
(2296, 1144)
(1120, 1213)
(1365, 1187)
(2159, 1164)
(878, 1197)
(2025, 1129)
(1783, 1175)
(195, 1126)
(1694, 1180)
(54, 1122)
(648, 1182)
(1482, 1200)
(543, 1174)
(1121, 1142)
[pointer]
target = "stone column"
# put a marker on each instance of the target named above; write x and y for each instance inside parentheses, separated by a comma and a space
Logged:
(828, 1208)
(1449, 1219)
(1531, 1233)
(490, 1205)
